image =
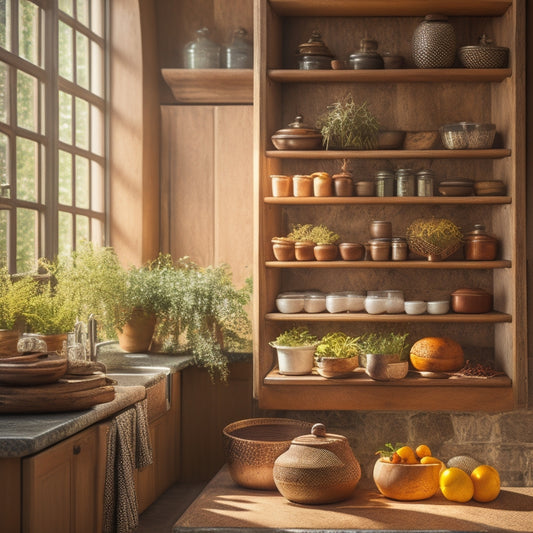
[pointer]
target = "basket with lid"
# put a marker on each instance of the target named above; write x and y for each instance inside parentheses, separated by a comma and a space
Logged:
(484, 55)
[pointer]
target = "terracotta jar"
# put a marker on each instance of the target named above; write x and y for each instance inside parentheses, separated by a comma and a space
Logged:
(317, 468)
(471, 301)
(325, 252)
(281, 185)
(8, 342)
(365, 188)
(283, 249)
(351, 251)
(302, 185)
(380, 249)
(479, 245)
(343, 184)
(322, 184)
(136, 334)
(304, 250)
(380, 229)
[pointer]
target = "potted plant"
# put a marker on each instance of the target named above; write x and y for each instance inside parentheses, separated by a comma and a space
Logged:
(434, 238)
(14, 297)
(296, 349)
(348, 126)
(337, 355)
(385, 355)
(303, 242)
(325, 240)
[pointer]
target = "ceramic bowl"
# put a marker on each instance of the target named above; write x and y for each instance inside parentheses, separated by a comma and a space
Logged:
(385, 367)
(438, 307)
(336, 367)
(390, 140)
(290, 302)
(420, 140)
(415, 307)
(406, 481)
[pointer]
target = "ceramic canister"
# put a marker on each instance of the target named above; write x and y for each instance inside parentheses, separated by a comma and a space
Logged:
(433, 44)
(317, 468)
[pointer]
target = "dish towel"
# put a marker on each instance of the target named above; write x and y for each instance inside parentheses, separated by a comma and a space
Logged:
(128, 447)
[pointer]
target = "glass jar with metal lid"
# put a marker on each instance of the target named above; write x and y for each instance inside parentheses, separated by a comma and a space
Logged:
(202, 52)
(384, 183)
(405, 182)
(239, 54)
(399, 249)
(424, 182)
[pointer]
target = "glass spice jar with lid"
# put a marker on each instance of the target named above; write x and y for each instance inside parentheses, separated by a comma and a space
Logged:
(399, 249)
(384, 183)
(201, 52)
(424, 182)
(239, 54)
(405, 182)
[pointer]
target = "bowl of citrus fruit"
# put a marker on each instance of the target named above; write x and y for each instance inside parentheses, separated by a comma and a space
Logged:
(404, 473)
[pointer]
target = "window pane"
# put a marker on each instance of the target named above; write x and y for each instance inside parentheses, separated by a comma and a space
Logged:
(82, 60)
(64, 233)
(66, 7)
(82, 11)
(97, 232)
(82, 229)
(4, 162)
(27, 169)
(65, 178)
(29, 34)
(97, 17)
(82, 182)
(4, 92)
(65, 51)
(97, 187)
(27, 244)
(97, 131)
(27, 101)
(97, 69)
(82, 123)
(4, 229)
(65, 117)
(5, 24)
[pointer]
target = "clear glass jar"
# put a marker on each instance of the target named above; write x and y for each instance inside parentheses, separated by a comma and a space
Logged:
(405, 182)
(355, 301)
(337, 302)
(399, 249)
(376, 303)
(424, 182)
(202, 52)
(290, 302)
(395, 302)
(239, 54)
(384, 183)
(314, 302)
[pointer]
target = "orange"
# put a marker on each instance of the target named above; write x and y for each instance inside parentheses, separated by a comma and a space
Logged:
(456, 485)
(407, 455)
(486, 483)
(423, 451)
(433, 460)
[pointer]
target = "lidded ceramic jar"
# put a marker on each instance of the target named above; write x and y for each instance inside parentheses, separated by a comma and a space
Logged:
(479, 245)
(367, 57)
(297, 136)
(314, 54)
(239, 54)
(317, 468)
(484, 55)
(380, 229)
(433, 44)
(202, 52)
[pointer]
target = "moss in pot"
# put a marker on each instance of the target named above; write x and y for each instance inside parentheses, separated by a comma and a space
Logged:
(337, 355)
(296, 349)
(385, 355)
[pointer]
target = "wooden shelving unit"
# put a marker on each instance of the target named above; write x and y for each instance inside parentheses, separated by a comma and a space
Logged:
(414, 100)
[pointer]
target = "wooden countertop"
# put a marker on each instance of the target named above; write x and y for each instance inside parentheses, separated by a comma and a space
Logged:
(223, 506)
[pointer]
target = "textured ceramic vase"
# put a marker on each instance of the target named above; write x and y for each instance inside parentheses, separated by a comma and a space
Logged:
(433, 44)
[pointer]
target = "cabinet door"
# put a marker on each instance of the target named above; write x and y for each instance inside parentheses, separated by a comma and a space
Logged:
(60, 486)
(206, 166)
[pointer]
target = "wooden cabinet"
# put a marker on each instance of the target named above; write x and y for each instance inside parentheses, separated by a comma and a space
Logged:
(409, 99)
(63, 486)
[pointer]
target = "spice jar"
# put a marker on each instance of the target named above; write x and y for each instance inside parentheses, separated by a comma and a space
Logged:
(239, 54)
(380, 229)
(202, 52)
(424, 182)
(399, 249)
(365, 188)
(281, 185)
(316, 469)
(314, 54)
(433, 44)
(384, 183)
(380, 249)
(302, 185)
(479, 245)
(322, 184)
(367, 57)
(405, 182)
(342, 182)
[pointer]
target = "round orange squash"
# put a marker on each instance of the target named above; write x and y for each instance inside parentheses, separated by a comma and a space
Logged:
(437, 354)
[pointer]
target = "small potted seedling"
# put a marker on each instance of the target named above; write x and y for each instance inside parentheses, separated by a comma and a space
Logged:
(296, 350)
(337, 355)
(385, 355)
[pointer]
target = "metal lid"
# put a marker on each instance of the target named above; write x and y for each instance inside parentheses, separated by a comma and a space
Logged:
(298, 128)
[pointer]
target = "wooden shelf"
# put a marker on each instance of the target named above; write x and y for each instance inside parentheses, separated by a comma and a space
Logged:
(492, 153)
(410, 264)
(313, 392)
(494, 317)
(210, 86)
(388, 200)
(389, 8)
(446, 75)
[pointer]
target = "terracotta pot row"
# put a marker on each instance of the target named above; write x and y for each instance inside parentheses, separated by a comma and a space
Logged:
(287, 250)
(316, 184)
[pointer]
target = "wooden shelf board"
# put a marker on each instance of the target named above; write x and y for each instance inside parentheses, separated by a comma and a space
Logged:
(424, 265)
(389, 8)
(391, 200)
(313, 392)
(492, 153)
(390, 75)
(210, 86)
(494, 317)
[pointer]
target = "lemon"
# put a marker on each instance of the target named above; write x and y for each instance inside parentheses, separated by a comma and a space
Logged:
(423, 451)
(456, 485)
(407, 455)
(486, 483)
(433, 460)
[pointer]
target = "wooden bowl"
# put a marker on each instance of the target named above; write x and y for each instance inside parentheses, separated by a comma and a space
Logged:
(251, 446)
(390, 140)
(406, 481)
(337, 367)
(421, 140)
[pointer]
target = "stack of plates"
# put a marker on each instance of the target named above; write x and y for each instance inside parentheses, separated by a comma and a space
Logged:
(456, 187)
(490, 188)
(32, 369)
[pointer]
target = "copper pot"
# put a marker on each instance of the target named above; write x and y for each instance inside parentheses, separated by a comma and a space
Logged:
(480, 246)
(317, 468)
(298, 136)
(471, 301)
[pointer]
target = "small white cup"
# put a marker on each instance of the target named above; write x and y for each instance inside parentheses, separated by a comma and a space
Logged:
(415, 307)
(438, 307)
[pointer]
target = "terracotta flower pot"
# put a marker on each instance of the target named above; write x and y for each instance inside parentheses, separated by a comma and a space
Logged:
(283, 249)
(136, 334)
(351, 251)
(8, 342)
(304, 251)
(325, 252)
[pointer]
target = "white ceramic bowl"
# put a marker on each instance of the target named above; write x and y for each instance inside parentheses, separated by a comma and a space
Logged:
(290, 302)
(337, 302)
(415, 307)
(438, 307)
(314, 302)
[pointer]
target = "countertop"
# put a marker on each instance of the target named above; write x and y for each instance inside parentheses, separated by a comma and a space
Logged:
(224, 507)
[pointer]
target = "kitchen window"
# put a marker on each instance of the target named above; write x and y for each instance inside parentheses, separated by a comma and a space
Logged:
(52, 128)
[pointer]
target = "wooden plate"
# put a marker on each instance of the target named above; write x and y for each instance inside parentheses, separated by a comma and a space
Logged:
(33, 369)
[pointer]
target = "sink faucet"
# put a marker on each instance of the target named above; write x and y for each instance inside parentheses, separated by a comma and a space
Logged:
(91, 337)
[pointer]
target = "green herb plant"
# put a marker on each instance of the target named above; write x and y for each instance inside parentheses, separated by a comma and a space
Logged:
(317, 234)
(385, 344)
(297, 336)
(15, 295)
(338, 345)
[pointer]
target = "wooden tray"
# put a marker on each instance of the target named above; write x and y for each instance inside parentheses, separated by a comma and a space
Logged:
(32, 369)
(74, 393)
